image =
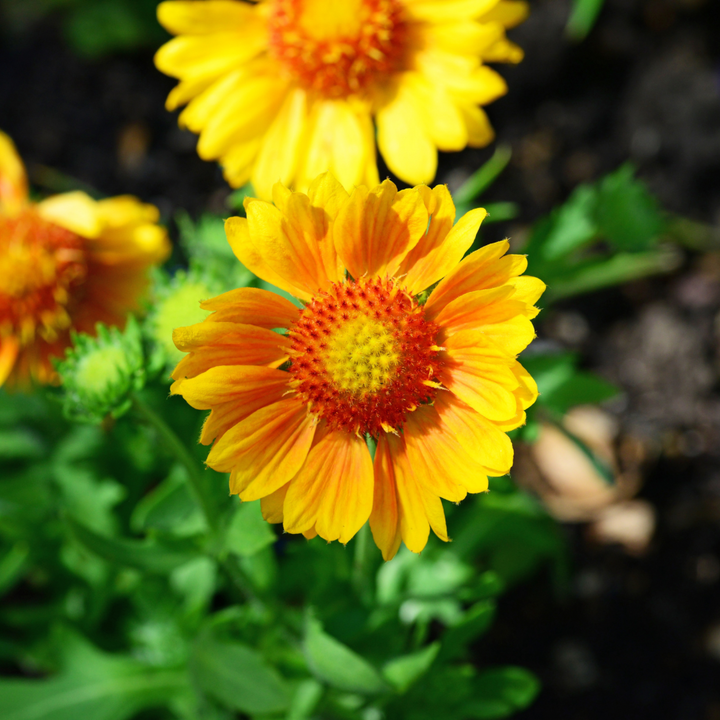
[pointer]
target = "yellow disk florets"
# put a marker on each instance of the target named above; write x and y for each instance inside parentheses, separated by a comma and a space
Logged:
(363, 356)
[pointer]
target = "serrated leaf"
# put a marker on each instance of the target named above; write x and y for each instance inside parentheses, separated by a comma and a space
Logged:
(403, 671)
(627, 214)
(148, 556)
(237, 676)
(572, 225)
(92, 684)
(248, 533)
(338, 665)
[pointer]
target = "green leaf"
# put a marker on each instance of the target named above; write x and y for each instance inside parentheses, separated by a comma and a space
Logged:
(305, 699)
(12, 565)
(169, 507)
(93, 685)
(482, 178)
(615, 270)
(248, 533)
(474, 623)
(147, 556)
(572, 225)
(583, 17)
(237, 676)
(502, 692)
(196, 582)
(402, 672)
(20, 444)
(627, 214)
(337, 665)
(580, 389)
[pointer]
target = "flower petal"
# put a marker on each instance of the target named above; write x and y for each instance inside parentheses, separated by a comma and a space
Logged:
(443, 465)
(265, 450)
(385, 516)
(252, 306)
(272, 505)
(477, 309)
(237, 383)
(212, 344)
(479, 374)
(402, 139)
(280, 152)
(334, 490)
(9, 349)
(377, 228)
(191, 17)
(75, 211)
(13, 179)
(508, 13)
(442, 252)
(488, 445)
(438, 10)
(481, 269)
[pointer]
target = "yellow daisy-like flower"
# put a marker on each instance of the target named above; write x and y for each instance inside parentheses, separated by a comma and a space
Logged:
(431, 376)
(66, 263)
(287, 89)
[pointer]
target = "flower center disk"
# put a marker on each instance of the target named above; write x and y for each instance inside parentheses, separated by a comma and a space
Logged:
(363, 356)
(41, 267)
(338, 49)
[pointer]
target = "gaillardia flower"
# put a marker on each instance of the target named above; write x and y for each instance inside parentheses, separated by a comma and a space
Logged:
(287, 89)
(66, 263)
(399, 339)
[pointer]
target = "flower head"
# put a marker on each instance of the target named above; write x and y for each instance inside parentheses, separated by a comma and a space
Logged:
(399, 338)
(287, 89)
(66, 263)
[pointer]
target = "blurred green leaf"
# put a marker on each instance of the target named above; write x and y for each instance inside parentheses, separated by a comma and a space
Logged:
(583, 17)
(481, 179)
(169, 507)
(20, 444)
(402, 672)
(248, 533)
(305, 699)
(627, 214)
(337, 665)
(501, 692)
(571, 226)
(196, 581)
(92, 684)
(474, 623)
(12, 565)
(237, 676)
(98, 27)
(147, 556)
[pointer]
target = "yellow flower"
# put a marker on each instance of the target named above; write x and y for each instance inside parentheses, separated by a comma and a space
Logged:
(432, 377)
(287, 89)
(66, 263)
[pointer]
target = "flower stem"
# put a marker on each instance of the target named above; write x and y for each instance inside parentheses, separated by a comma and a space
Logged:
(176, 446)
(361, 564)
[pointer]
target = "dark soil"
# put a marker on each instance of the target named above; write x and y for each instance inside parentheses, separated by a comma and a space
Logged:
(635, 637)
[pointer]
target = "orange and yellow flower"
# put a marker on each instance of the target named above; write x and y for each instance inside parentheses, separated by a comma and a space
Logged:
(66, 263)
(399, 338)
(287, 89)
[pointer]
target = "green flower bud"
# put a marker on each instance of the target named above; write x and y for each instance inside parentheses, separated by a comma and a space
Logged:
(100, 373)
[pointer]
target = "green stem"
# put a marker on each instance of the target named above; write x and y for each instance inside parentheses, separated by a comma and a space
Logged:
(176, 446)
(361, 564)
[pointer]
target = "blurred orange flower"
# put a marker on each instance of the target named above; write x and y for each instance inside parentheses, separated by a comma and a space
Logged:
(66, 263)
(287, 89)
(431, 377)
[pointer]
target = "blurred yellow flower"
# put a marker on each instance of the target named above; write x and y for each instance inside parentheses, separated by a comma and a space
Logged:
(287, 89)
(66, 263)
(432, 378)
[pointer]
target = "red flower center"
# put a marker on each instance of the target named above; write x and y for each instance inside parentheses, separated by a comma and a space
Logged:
(41, 268)
(338, 49)
(363, 356)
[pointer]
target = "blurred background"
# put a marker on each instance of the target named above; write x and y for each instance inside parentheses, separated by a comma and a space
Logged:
(633, 629)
